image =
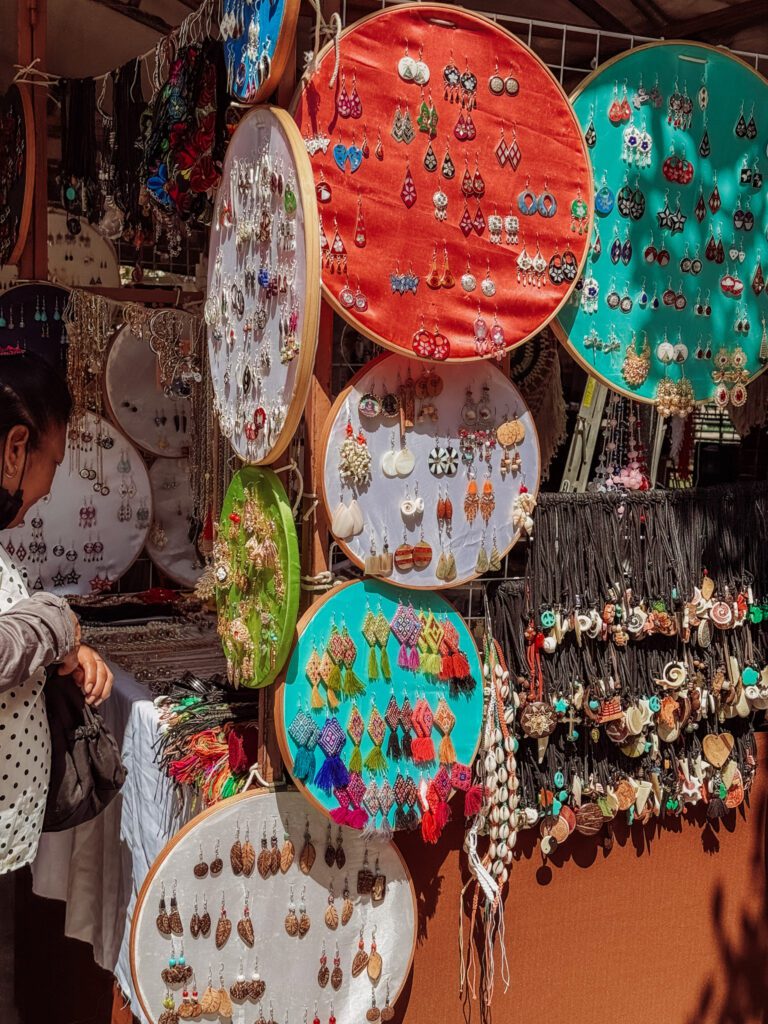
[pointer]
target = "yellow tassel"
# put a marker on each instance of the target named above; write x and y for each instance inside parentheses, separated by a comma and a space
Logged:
(316, 699)
(333, 700)
(446, 753)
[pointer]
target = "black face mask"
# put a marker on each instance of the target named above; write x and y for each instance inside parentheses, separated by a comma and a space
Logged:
(11, 503)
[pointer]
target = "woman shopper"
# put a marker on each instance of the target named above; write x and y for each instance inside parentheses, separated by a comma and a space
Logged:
(40, 632)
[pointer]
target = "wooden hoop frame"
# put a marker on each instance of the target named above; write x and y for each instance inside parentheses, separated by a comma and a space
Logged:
(30, 160)
(305, 183)
(282, 739)
(190, 825)
(324, 439)
(486, 23)
(560, 333)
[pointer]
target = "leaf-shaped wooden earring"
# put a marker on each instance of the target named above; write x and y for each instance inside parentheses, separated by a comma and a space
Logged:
(308, 853)
(174, 918)
(288, 853)
(223, 926)
(274, 851)
(205, 920)
(249, 854)
(360, 959)
(239, 989)
(347, 907)
(331, 913)
(291, 921)
(236, 854)
(217, 864)
(304, 921)
(245, 925)
(162, 920)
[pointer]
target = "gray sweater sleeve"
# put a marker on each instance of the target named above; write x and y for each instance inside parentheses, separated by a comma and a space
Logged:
(35, 633)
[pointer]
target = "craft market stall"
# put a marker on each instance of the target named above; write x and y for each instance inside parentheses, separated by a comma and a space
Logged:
(413, 492)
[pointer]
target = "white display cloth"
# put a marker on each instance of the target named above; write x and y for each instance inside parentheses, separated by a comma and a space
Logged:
(287, 964)
(121, 469)
(172, 503)
(138, 405)
(380, 500)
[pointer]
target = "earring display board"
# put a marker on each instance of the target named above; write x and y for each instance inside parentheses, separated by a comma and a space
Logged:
(17, 172)
(158, 421)
(87, 258)
(381, 707)
(255, 574)
(313, 922)
(263, 305)
(428, 474)
(258, 39)
(453, 226)
(31, 317)
(171, 541)
(672, 303)
(91, 528)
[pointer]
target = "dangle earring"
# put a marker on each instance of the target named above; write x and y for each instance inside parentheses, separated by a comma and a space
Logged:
(174, 918)
(245, 924)
(162, 920)
(223, 927)
(471, 498)
(323, 974)
(291, 920)
(337, 975)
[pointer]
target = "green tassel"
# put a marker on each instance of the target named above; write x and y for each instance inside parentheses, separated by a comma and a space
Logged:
(386, 671)
(353, 686)
(375, 761)
(356, 761)
(334, 678)
(373, 665)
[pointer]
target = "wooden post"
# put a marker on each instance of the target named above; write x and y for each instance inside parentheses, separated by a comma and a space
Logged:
(32, 27)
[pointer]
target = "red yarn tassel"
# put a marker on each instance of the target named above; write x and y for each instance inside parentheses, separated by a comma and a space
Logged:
(422, 749)
(429, 830)
(473, 801)
(446, 667)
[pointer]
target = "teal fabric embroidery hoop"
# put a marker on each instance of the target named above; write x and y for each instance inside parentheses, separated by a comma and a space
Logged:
(347, 605)
(726, 77)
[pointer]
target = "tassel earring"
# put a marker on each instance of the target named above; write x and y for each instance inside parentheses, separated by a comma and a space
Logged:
(392, 718)
(382, 637)
(375, 760)
(369, 635)
(487, 501)
(471, 499)
(445, 720)
(356, 731)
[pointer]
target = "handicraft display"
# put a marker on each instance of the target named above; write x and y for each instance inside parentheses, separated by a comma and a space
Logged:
(258, 38)
(32, 318)
(254, 574)
(453, 224)
(87, 258)
(631, 700)
(429, 475)
(260, 910)
(672, 304)
(171, 542)
(92, 526)
(379, 715)
(263, 303)
(156, 414)
(17, 165)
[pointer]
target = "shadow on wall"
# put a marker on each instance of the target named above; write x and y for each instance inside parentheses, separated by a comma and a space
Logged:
(736, 991)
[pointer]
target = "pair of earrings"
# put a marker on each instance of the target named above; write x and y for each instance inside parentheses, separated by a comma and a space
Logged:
(169, 923)
(435, 279)
(349, 104)
(402, 126)
(379, 563)
(443, 461)
(297, 924)
(412, 556)
(202, 868)
(200, 924)
(488, 560)
(334, 855)
(354, 458)
(444, 512)
(356, 300)
(364, 961)
(446, 567)
(487, 285)
(499, 86)
(325, 974)
(242, 856)
(475, 502)
(213, 1000)
(254, 989)
(398, 463)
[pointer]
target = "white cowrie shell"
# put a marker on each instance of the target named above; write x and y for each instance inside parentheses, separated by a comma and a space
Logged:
(496, 815)
(503, 774)
(509, 744)
(504, 691)
(512, 841)
(497, 868)
(499, 754)
(503, 794)
(499, 671)
(498, 736)
(504, 876)
(503, 831)
(492, 851)
(504, 813)
(490, 761)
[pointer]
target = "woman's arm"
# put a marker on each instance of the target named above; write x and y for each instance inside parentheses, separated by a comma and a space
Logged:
(36, 632)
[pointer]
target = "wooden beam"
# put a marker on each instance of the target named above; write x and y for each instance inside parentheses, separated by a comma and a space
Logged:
(151, 21)
(32, 32)
(724, 21)
(600, 15)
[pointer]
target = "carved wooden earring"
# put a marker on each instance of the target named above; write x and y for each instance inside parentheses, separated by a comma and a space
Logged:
(223, 926)
(162, 920)
(288, 852)
(264, 861)
(236, 854)
(249, 854)
(291, 921)
(174, 918)
(245, 925)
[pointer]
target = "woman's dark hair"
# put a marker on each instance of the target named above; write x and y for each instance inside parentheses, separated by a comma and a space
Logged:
(33, 394)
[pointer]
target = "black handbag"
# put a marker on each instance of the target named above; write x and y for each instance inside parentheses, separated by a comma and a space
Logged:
(87, 772)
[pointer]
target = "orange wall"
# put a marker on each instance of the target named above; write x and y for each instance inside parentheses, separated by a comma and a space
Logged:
(670, 927)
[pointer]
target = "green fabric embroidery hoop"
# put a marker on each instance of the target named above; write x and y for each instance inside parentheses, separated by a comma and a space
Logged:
(274, 501)
(728, 81)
